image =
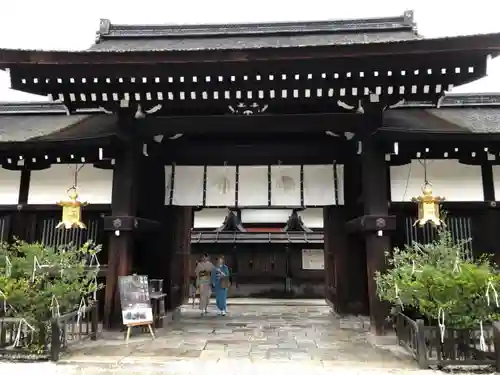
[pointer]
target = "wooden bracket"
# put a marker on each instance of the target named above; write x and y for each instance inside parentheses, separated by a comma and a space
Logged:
(371, 223)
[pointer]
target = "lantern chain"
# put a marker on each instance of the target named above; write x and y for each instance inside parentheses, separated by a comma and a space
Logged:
(75, 176)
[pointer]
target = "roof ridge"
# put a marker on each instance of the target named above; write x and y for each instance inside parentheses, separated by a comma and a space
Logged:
(108, 30)
(459, 100)
(26, 108)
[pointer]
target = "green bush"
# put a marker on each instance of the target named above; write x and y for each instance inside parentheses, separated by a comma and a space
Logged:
(64, 276)
(437, 276)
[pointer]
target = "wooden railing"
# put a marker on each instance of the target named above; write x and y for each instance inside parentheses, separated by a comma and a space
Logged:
(20, 340)
(457, 347)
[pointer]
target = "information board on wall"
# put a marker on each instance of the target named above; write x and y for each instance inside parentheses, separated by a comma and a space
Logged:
(135, 300)
(313, 259)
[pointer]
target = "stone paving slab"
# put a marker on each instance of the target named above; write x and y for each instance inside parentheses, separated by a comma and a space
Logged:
(227, 367)
(255, 335)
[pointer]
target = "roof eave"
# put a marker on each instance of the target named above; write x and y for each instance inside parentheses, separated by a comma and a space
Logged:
(485, 43)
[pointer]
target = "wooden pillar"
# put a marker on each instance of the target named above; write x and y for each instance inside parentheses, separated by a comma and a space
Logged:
(22, 223)
(121, 242)
(355, 257)
(153, 261)
(338, 276)
(486, 222)
(374, 171)
(178, 246)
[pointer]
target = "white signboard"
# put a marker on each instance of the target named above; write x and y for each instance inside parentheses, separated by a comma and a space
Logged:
(313, 259)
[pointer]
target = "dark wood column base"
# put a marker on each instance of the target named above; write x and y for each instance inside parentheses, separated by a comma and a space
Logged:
(376, 246)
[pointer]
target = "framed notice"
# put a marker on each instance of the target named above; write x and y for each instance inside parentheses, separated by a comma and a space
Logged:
(313, 259)
(135, 302)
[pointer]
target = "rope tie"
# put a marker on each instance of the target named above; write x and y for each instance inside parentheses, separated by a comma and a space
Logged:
(396, 292)
(8, 266)
(4, 301)
(442, 327)
(54, 307)
(456, 267)
(94, 293)
(491, 289)
(482, 342)
(19, 329)
(81, 311)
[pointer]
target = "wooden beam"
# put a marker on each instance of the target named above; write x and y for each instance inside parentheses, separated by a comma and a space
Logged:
(261, 123)
(478, 44)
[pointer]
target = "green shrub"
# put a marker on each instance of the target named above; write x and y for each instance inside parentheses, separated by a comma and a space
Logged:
(64, 276)
(437, 276)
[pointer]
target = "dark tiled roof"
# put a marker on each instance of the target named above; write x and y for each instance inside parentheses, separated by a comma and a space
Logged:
(468, 113)
(21, 122)
(253, 36)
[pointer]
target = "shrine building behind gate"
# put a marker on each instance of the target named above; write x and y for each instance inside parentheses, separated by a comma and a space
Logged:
(263, 142)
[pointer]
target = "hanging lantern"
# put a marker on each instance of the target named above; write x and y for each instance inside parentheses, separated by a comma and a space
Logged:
(428, 207)
(71, 211)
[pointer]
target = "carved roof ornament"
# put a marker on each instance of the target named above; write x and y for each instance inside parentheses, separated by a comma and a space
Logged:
(248, 108)
(232, 223)
(295, 223)
(141, 114)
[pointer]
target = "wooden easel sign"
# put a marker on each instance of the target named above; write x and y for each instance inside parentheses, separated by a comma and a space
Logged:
(135, 303)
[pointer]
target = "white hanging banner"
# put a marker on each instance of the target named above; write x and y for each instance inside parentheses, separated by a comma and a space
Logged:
(253, 186)
(285, 185)
(221, 186)
(319, 185)
(313, 259)
(188, 186)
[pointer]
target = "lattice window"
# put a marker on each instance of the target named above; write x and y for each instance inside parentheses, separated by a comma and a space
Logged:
(460, 228)
(50, 236)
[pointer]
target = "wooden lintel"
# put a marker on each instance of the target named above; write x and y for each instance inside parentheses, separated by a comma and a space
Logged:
(320, 122)
(371, 223)
(129, 224)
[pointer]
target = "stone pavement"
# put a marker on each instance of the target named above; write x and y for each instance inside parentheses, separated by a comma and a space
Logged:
(278, 337)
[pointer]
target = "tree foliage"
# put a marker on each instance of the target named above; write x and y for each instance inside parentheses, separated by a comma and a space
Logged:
(438, 277)
(61, 277)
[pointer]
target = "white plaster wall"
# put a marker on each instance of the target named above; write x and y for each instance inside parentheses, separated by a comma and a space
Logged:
(496, 181)
(209, 218)
(312, 217)
(265, 216)
(49, 186)
(454, 181)
(9, 186)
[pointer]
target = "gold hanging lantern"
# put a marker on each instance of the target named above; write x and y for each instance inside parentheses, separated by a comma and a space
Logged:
(428, 207)
(71, 211)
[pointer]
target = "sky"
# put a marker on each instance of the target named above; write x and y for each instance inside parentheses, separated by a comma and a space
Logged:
(63, 25)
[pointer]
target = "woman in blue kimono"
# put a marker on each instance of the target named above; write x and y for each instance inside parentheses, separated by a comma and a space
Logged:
(220, 282)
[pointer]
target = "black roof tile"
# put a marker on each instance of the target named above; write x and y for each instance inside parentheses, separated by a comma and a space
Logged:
(253, 36)
(22, 122)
